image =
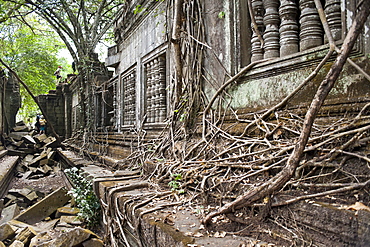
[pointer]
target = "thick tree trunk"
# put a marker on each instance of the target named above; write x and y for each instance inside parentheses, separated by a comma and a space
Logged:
(175, 40)
(277, 182)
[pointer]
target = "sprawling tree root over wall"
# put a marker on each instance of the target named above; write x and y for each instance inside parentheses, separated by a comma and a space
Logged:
(278, 154)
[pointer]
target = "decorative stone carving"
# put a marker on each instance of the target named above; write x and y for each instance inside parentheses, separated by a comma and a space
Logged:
(333, 15)
(156, 90)
(311, 30)
(257, 50)
(289, 39)
(129, 98)
(271, 21)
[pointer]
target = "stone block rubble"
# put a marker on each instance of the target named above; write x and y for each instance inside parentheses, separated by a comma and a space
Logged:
(36, 210)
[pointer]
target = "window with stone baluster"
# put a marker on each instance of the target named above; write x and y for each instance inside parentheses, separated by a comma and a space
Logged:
(288, 29)
(291, 26)
(155, 82)
(129, 97)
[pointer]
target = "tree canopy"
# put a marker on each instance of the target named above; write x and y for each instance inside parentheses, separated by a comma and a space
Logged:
(80, 24)
(32, 50)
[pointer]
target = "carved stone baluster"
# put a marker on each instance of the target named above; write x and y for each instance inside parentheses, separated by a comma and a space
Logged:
(124, 99)
(311, 29)
(132, 98)
(334, 18)
(288, 27)
(151, 93)
(257, 50)
(148, 92)
(271, 21)
(162, 89)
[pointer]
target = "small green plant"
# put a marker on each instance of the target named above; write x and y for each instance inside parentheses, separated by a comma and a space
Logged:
(175, 183)
(85, 198)
(221, 15)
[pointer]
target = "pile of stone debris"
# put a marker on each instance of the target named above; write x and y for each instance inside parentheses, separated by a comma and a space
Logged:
(37, 210)
(36, 150)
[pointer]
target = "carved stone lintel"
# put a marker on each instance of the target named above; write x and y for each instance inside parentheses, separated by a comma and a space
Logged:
(311, 30)
(288, 27)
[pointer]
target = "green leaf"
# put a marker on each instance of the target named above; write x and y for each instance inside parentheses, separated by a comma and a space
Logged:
(221, 15)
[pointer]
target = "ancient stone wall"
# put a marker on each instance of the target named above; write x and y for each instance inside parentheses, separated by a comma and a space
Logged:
(55, 107)
(10, 102)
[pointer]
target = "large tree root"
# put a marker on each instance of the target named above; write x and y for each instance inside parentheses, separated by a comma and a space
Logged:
(277, 182)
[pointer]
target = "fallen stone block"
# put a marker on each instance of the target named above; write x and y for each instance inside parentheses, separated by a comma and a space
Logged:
(9, 199)
(35, 161)
(20, 128)
(73, 237)
(25, 235)
(70, 219)
(40, 138)
(94, 242)
(66, 211)
(2, 244)
(41, 239)
(17, 243)
(17, 136)
(6, 231)
(44, 226)
(19, 144)
(44, 207)
(32, 196)
(28, 139)
(9, 213)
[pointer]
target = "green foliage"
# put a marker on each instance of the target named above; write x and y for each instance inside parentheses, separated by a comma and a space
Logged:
(175, 184)
(221, 15)
(85, 197)
(138, 9)
(32, 53)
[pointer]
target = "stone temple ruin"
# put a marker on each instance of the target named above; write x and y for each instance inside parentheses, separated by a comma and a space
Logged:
(131, 99)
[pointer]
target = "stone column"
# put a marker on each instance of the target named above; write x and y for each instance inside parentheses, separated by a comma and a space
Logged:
(271, 21)
(257, 50)
(311, 30)
(334, 18)
(288, 27)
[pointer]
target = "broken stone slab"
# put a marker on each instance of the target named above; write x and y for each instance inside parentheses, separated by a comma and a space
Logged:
(44, 226)
(9, 213)
(28, 158)
(32, 196)
(19, 192)
(6, 231)
(25, 235)
(70, 219)
(44, 207)
(17, 243)
(19, 144)
(36, 160)
(9, 199)
(72, 238)
(28, 139)
(17, 136)
(40, 138)
(93, 242)
(41, 239)
(66, 211)
(3, 152)
(21, 128)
